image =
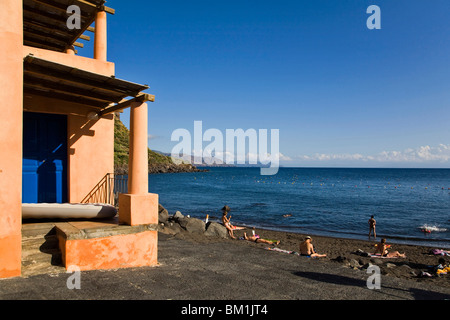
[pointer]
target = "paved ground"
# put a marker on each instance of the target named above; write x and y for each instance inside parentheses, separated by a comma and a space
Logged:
(219, 271)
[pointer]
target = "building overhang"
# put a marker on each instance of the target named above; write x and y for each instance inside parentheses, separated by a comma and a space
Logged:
(104, 94)
(45, 22)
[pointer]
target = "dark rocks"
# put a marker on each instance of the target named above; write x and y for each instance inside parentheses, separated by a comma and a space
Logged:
(340, 259)
(214, 229)
(163, 214)
(172, 168)
(177, 216)
(192, 225)
(362, 253)
(180, 223)
(155, 168)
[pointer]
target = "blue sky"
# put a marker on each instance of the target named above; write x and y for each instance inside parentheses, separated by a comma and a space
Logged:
(340, 94)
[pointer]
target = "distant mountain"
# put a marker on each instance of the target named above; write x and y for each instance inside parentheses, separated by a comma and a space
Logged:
(158, 162)
(211, 162)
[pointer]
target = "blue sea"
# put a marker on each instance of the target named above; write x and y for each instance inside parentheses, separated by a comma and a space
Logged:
(320, 201)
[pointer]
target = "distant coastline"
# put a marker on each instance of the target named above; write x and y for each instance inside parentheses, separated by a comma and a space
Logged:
(157, 162)
(157, 168)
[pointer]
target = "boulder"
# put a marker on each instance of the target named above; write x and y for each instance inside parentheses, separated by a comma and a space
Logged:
(192, 225)
(163, 214)
(171, 228)
(177, 216)
(214, 229)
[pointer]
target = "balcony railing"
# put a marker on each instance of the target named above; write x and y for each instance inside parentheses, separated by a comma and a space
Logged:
(108, 190)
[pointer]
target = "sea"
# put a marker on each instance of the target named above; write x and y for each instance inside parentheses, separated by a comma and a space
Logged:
(335, 202)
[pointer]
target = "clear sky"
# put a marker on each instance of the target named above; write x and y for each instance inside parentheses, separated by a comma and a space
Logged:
(340, 94)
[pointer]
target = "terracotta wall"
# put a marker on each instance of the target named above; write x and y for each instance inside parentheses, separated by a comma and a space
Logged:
(90, 142)
(11, 92)
(91, 153)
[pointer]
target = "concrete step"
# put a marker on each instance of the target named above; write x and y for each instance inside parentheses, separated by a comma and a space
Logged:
(40, 251)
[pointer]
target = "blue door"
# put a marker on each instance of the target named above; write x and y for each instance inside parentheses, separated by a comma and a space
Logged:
(44, 177)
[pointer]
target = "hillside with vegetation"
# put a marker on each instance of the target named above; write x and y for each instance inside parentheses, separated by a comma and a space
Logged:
(157, 163)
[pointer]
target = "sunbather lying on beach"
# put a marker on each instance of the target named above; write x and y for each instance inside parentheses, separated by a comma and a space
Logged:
(227, 224)
(382, 250)
(257, 239)
(307, 249)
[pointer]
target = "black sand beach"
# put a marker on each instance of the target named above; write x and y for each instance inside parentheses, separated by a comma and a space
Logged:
(196, 267)
(342, 254)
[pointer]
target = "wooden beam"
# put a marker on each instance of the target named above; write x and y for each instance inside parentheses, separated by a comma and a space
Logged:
(42, 36)
(46, 29)
(101, 7)
(143, 97)
(73, 78)
(108, 10)
(55, 20)
(87, 3)
(73, 93)
(52, 47)
(56, 6)
(64, 97)
(84, 37)
(70, 79)
(57, 86)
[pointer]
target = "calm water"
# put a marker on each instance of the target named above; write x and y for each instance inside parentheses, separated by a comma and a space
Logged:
(322, 201)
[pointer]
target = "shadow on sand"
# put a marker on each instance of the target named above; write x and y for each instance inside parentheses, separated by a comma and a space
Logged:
(415, 293)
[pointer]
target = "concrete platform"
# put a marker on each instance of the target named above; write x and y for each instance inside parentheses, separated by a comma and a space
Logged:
(51, 246)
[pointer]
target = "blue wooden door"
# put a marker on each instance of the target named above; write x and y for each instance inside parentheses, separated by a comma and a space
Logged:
(44, 178)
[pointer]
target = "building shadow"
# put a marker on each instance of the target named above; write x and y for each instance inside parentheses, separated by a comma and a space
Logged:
(417, 294)
(332, 278)
(51, 247)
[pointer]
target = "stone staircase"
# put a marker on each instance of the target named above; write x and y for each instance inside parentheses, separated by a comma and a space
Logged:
(40, 251)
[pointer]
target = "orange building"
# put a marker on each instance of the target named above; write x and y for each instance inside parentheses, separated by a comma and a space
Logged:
(57, 133)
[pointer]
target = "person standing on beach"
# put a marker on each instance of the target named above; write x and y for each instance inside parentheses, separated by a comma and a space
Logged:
(372, 223)
(307, 249)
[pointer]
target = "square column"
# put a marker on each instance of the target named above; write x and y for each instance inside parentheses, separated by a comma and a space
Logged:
(138, 206)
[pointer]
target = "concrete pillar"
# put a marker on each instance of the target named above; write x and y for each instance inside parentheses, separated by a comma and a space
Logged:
(138, 161)
(100, 41)
(11, 127)
(138, 206)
